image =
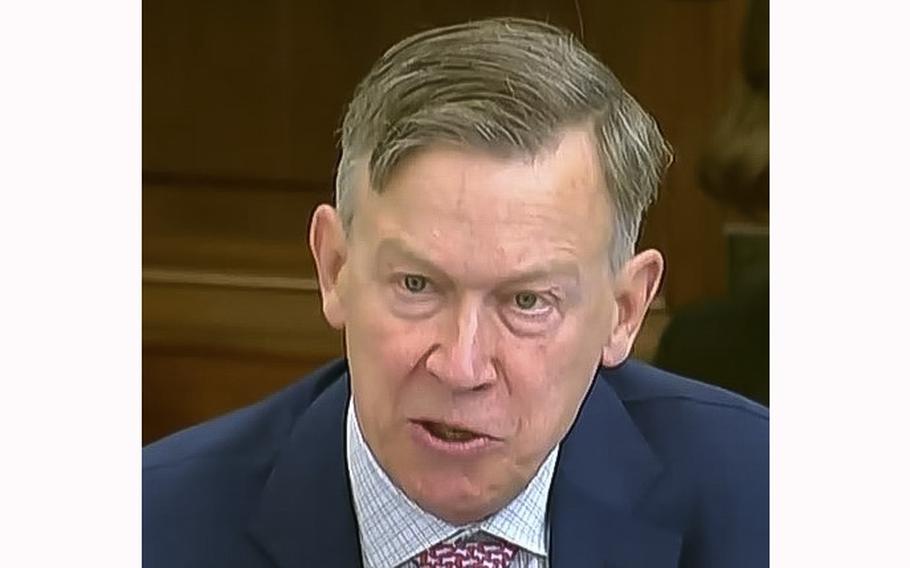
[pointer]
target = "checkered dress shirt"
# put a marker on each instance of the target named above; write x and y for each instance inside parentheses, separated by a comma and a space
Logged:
(393, 529)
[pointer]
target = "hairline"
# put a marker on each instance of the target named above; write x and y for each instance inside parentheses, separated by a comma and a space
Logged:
(359, 174)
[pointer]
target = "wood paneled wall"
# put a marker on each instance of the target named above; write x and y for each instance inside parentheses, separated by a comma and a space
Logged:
(241, 103)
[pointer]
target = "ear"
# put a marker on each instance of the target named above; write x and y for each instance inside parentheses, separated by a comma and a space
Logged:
(329, 247)
(636, 286)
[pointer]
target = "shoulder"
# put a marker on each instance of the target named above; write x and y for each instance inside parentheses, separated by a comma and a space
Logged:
(689, 422)
(714, 447)
(202, 483)
(648, 392)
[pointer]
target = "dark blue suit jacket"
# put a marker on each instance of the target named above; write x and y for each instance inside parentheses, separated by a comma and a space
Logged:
(657, 471)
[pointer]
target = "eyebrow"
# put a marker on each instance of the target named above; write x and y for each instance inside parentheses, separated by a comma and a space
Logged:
(396, 247)
(393, 246)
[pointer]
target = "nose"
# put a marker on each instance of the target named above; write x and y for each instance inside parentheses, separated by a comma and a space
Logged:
(461, 359)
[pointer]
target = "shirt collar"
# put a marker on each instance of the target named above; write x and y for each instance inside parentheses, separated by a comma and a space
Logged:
(393, 529)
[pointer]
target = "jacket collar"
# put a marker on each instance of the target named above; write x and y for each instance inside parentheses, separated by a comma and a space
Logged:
(306, 515)
(605, 467)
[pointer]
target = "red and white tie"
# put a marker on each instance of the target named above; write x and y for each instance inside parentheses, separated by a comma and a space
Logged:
(467, 555)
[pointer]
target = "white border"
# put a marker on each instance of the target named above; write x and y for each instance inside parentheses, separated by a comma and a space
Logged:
(839, 321)
(70, 425)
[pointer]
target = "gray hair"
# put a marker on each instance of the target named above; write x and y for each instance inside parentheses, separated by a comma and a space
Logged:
(508, 86)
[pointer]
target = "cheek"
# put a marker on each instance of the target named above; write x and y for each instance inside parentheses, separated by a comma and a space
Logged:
(394, 343)
(557, 358)
(550, 378)
(384, 349)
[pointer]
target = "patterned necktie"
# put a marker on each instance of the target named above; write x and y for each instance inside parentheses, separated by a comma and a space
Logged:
(467, 555)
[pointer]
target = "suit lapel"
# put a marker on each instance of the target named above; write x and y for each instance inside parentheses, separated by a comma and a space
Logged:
(306, 515)
(605, 465)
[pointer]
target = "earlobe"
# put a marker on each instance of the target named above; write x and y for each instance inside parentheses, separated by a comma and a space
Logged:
(637, 285)
(614, 352)
(613, 355)
(329, 248)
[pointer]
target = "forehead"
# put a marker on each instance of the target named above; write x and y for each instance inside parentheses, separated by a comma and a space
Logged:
(485, 214)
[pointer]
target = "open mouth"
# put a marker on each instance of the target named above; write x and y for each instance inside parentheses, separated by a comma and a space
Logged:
(448, 433)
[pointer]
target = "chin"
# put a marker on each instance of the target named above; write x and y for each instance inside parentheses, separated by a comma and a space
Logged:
(454, 497)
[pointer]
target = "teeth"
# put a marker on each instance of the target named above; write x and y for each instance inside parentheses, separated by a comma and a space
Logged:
(450, 434)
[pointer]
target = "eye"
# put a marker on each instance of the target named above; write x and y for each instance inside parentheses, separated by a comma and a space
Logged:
(526, 300)
(414, 283)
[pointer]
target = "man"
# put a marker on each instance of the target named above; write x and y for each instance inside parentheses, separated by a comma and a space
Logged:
(481, 264)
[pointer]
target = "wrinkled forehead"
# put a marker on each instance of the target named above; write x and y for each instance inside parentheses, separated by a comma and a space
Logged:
(470, 207)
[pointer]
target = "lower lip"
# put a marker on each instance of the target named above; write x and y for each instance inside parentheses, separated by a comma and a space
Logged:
(464, 448)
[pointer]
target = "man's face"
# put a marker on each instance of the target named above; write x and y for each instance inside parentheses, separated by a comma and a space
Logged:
(477, 298)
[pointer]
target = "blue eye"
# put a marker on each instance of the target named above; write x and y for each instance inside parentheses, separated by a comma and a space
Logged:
(526, 300)
(414, 283)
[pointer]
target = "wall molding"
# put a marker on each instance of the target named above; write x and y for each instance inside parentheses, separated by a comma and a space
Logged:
(175, 276)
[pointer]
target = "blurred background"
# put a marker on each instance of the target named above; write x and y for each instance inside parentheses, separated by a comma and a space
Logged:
(241, 103)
